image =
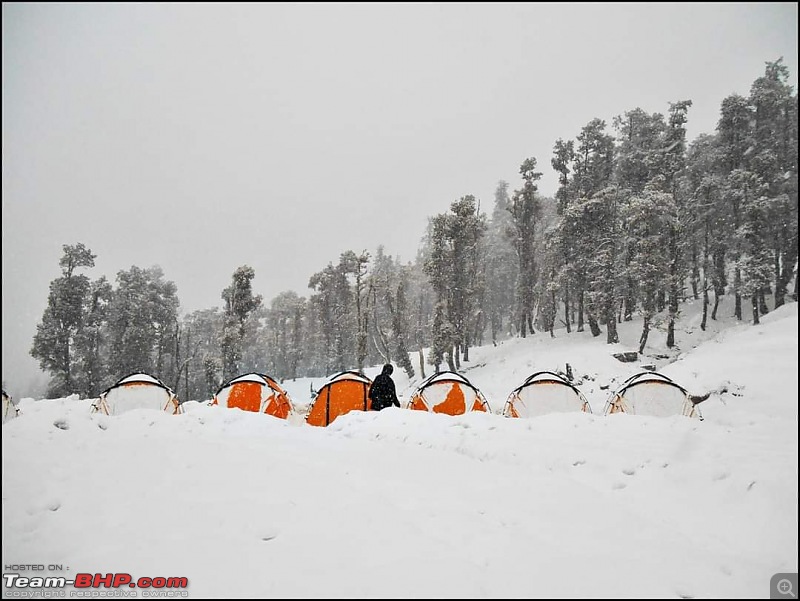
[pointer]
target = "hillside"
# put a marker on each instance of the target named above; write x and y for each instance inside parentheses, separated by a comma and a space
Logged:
(405, 504)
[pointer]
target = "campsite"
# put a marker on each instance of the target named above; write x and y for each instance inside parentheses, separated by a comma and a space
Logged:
(478, 504)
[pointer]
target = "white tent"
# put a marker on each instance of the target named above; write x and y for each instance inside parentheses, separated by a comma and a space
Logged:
(545, 392)
(10, 409)
(651, 393)
(137, 391)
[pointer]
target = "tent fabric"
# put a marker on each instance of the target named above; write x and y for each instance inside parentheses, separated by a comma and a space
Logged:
(137, 391)
(10, 409)
(344, 392)
(545, 392)
(447, 392)
(255, 392)
(651, 393)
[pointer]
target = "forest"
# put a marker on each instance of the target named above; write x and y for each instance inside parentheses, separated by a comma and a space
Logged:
(642, 220)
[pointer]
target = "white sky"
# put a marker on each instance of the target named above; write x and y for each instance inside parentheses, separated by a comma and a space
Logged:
(411, 505)
(204, 137)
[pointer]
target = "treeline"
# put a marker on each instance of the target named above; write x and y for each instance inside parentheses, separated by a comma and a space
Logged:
(641, 221)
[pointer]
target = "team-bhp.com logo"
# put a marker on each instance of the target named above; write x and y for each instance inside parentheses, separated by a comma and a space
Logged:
(87, 585)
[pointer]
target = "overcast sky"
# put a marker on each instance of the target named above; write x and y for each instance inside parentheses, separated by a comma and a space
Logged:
(208, 136)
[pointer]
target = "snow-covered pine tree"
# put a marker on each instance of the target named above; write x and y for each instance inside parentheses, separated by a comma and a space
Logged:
(774, 160)
(285, 332)
(240, 303)
(525, 210)
(502, 267)
(735, 140)
(142, 321)
(54, 344)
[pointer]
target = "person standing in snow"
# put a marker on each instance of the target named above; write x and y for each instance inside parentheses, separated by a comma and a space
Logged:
(382, 392)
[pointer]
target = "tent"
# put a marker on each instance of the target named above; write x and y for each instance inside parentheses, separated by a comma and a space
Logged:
(137, 391)
(10, 409)
(346, 391)
(447, 392)
(650, 393)
(255, 392)
(545, 392)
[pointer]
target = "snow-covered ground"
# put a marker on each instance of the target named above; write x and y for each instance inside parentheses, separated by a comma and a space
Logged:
(406, 504)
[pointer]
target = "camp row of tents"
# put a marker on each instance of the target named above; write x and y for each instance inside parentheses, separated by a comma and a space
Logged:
(447, 392)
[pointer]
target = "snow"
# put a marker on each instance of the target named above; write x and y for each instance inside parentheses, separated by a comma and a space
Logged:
(411, 504)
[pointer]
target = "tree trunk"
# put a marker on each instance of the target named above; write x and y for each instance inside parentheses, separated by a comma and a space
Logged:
(566, 308)
(705, 307)
(450, 363)
(695, 272)
(661, 301)
(611, 326)
(673, 288)
(737, 284)
(595, 329)
(421, 363)
(755, 308)
(580, 311)
(670, 330)
(794, 294)
(705, 278)
(780, 285)
(630, 302)
(645, 333)
(762, 303)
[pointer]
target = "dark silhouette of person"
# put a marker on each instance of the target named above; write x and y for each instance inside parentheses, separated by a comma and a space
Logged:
(382, 392)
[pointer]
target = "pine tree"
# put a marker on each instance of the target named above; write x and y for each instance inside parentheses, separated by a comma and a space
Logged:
(240, 302)
(452, 265)
(90, 340)
(525, 209)
(735, 141)
(593, 168)
(285, 326)
(674, 162)
(201, 365)
(774, 160)
(502, 268)
(54, 344)
(565, 277)
(708, 216)
(647, 219)
(142, 318)
(356, 265)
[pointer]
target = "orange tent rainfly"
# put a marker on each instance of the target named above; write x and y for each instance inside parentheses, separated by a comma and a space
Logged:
(137, 391)
(545, 392)
(344, 392)
(651, 393)
(255, 392)
(447, 392)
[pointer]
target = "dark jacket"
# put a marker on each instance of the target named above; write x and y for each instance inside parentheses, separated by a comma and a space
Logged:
(382, 392)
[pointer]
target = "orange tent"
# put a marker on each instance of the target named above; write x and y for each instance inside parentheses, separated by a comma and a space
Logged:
(255, 392)
(344, 392)
(137, 391)
(448, 392)
(545, 392)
